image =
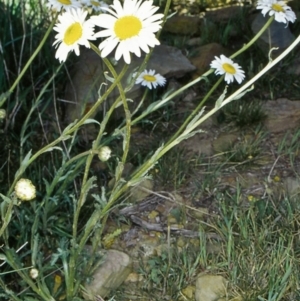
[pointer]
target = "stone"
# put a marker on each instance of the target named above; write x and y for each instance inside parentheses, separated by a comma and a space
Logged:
(294, 67)
(292, 186)
(224, 142)
(204, 55)
(277, 35)
(188, 292)
(141, 191)
(210, 288)
(224, 15)
(109, 276)
(183, 25)
(282, 115)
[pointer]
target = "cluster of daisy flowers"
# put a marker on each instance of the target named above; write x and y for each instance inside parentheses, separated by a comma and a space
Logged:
(130, 28)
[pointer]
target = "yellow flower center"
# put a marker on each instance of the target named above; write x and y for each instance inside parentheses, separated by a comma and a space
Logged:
(95, 3)
(127, 27)
(65, 2)
(73, 33)
(229, 68)
(149, 78)
(277, 7)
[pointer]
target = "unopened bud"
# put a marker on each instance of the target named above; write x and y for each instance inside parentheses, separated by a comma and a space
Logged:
(104, 153)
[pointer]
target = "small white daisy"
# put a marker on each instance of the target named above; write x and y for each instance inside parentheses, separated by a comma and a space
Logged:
(279, 9)
(66, 4)
(25, 190)
(150, 79)
(225, 65)
(131, 26)
(73, 31)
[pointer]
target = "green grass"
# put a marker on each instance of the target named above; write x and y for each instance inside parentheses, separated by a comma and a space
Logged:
(257, 253)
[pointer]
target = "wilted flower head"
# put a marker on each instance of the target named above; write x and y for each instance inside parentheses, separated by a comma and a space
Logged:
(225, 65)
(150, 79)
(25, 190)
(104, 153)
(279, 9)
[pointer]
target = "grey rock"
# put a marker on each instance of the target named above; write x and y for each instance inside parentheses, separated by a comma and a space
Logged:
(109, 276)
(210, 288)
(277, 35)
(292, 186)
(282, 115)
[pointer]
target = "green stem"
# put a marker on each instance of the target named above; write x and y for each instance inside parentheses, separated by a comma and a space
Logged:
(117, 81)
(71, 130)
(164, 101)
(12, 262)
(125, 105)
(196, 110)
(254, 39)
(10, 293)
(38, 49)
(7, 218)
(198, 79)
(148, 164)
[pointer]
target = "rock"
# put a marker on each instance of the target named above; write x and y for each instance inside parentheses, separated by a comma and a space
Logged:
(225, 142)
(87, 76)
(184, 25)
(195, 41)
(109, 276)
(169, 62)
(294, 67)
(141, 191)
(198, 145)
(282, 115)
(292, 186)
(204, 55)
(210, 288)
(224, 14)
(188, 292)
(277, 35)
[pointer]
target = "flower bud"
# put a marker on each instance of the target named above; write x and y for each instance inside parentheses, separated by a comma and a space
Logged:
(104, 153)
(25, 190)
(34, 273)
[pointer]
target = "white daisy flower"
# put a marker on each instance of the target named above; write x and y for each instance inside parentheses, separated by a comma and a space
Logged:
(25, 190)
(66, 4)
(131, 26)
(73, 31)
(279, 9)
(225, 65)
(150, 79)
